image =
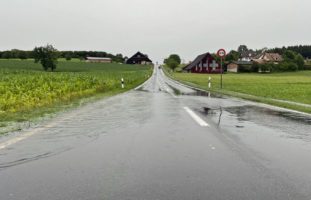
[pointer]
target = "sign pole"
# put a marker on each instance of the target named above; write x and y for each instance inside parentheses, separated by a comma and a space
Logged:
(221, 73)
(221, 53)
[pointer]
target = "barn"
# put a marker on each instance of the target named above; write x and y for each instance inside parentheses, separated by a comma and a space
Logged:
(204, 64)
(98, 60)
(140, 59)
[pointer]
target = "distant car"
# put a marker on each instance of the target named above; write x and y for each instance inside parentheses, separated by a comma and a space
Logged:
(160, 67)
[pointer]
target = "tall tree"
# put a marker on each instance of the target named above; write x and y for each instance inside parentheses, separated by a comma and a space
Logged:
(172, 63)
(47, 56)
(174, 57)
(242, 48)
(232, 56)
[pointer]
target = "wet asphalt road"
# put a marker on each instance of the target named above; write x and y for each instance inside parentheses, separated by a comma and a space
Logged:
(149, 144)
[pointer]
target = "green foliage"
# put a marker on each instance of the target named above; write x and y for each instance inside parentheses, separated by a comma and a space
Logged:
(242, 48)
(47, 56)
(245, 68)
(174, 57)
(289, 55)
(304, 50)
(22, 55)
(119, 58)
(68, 56)
(232, 56)
(255, 67)
(299, 60)
(6, 55)
(172, 63)
(267, 67)
(291, 58)
(24, 87)
(287, 66)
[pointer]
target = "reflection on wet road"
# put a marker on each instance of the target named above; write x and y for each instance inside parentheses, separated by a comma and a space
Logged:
(151, 143)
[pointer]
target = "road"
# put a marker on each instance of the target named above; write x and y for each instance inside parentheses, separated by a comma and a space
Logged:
(157, 142)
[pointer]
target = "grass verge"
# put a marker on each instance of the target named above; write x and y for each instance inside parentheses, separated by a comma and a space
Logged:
(271, 89)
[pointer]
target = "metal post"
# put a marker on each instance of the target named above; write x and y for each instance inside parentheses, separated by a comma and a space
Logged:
(209, 82)
(221, 73)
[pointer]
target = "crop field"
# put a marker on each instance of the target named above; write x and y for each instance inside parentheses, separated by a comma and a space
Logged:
(25, 87)
(294, 86)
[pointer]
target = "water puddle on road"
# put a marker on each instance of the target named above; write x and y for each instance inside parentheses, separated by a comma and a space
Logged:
(294, 125)
(200, 93)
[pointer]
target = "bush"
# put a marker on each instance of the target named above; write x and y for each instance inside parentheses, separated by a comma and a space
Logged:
(307, 67)
(267, 67)
(255, 67)
(245, 68)
(285, 66)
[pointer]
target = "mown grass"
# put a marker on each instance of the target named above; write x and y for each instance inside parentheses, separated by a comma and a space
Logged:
(294, 86)
(26, 91)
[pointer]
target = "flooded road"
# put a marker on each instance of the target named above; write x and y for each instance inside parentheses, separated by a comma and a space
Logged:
(161, 141)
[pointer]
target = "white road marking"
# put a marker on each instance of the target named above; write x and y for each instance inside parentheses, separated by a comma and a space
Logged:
(200, 121)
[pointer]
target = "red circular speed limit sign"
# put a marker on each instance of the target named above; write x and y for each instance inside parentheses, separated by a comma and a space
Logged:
(221, 53)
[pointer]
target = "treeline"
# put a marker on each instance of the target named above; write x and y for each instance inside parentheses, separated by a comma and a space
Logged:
(304, 50)
(68, 55)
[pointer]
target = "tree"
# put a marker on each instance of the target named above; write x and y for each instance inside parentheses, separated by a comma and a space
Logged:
(22, 55)
(293, 57)
(289, 55)
(6, 55)
(242, 48)
(172, 63)
(174, 57)
(232, 56)
(119, 58)
(47, 56)
(68, 57)
(300, 61)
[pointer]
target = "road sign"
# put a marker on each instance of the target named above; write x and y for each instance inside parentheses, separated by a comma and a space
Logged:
(221, 53)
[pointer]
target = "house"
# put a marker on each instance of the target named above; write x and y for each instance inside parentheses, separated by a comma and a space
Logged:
(268, 57)
(247, 55)
(204, 63)
(140, 59)
(98, 60)
(236, 65)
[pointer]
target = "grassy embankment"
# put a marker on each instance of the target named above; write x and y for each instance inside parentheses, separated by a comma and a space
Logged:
(27, 92)
(265, 88)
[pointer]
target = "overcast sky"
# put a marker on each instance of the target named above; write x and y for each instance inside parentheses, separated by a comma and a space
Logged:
(155, 27)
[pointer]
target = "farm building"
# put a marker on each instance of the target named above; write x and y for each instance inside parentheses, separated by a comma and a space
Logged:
(236, 65)
(98, 60)
(205, 64)
(140, 59)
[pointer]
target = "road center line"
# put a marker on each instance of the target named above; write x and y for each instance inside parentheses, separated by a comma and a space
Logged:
(200, 121)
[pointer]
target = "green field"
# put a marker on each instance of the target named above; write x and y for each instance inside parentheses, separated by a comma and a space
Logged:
(26, 91)
(295, 86)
